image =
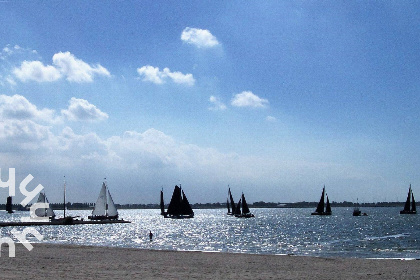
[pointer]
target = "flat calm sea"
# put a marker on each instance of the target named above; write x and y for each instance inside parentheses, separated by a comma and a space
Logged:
(384, 233)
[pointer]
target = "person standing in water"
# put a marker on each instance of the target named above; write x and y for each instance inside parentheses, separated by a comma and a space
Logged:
(150, 235)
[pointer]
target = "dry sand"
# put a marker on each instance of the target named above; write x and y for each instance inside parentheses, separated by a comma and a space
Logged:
(48, 261)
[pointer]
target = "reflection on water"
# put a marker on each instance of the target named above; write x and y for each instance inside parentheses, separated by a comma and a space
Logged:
(383, 234)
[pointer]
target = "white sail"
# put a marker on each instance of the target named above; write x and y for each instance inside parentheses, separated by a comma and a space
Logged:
(50, 212)
(44, 212)
(100, 205)
(112, 210)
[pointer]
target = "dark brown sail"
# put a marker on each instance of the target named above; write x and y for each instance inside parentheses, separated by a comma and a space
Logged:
(321, 204)
(410, 204)
(179, 207)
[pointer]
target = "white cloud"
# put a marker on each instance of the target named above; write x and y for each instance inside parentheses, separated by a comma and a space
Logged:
(270, 119)
(65, 65)
(82, 110)
(17, 107)
(217, 104)
(248, 99)
(11, 50)
(154, 75)
(77, 70)
(139, 163)
(36, 71)
(150, 74)
(23, 134)
(201, 38)
(20, 124)
(179, 78)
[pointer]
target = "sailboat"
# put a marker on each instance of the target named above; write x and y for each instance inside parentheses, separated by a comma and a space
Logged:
(231, 204)
(9, 205)
(320, 208)
(356, 210)
(104, 207)
(242, 209)
(410, 203)
(179, 207)
(44, 212)
(162, 204)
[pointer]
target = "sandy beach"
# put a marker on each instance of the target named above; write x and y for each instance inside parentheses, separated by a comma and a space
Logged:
(49, 261)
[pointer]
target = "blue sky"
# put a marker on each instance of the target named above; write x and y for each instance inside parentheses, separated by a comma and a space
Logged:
(274, 98)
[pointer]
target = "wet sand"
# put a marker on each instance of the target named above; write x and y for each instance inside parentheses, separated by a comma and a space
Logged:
(49, 261)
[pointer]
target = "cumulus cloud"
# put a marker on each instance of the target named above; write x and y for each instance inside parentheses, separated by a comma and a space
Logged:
(154, 75)
(77, 70)
(217, 105)
(27, 133)
(248, 99)
(82, 110)
(21, 124)
(17, 107)
(200, 38)
(64, 65)
(36, 71)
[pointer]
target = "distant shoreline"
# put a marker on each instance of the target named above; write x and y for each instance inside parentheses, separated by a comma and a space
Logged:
(218, 205)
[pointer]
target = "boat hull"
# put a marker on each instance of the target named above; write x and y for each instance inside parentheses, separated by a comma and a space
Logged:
(65, 221)
(408, 212)
(101, 218)
(245, 216)
(321, 213)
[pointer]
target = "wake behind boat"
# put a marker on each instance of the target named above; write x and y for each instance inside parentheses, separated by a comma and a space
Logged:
(321, 205)
(179, 207)
(410, 203)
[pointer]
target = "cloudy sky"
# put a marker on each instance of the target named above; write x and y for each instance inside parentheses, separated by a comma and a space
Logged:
(273, 98)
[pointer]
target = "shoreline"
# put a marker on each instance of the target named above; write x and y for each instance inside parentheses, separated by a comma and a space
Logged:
(54, 261)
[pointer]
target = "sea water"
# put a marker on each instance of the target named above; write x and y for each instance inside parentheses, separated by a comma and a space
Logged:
(384, 233)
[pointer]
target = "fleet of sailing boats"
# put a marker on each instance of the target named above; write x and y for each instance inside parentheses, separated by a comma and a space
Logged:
(323, 209)
(179, 207)
(410, 203)
(105, 210)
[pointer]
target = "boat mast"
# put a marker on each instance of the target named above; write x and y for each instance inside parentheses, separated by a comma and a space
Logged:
(106, 198)
(64, 205)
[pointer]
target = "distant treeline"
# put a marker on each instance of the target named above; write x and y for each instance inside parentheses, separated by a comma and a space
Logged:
(260, 204)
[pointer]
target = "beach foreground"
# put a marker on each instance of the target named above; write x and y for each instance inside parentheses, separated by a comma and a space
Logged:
(49, 261)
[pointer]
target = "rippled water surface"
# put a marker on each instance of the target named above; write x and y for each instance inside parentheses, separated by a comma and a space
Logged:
(383, 234)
